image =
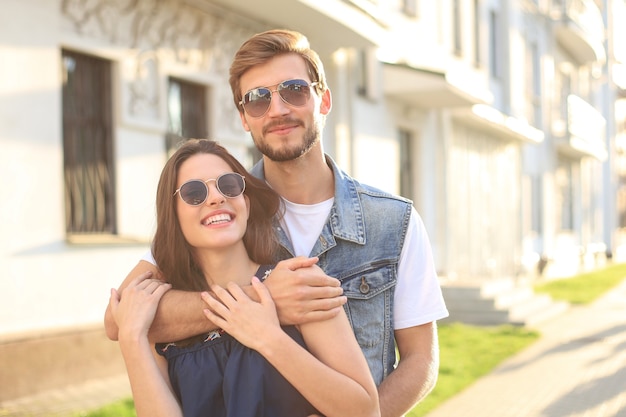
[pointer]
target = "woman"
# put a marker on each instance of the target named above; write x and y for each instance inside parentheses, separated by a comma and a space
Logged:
(214, 223)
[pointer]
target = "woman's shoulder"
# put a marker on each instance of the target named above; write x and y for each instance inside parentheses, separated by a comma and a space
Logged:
(264, 271)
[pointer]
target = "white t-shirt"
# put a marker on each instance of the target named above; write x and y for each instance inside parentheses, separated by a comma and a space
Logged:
(303, 224)
(417, 296)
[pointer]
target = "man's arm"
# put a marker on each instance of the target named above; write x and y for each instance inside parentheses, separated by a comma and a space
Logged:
(301, 291)
(416, 373)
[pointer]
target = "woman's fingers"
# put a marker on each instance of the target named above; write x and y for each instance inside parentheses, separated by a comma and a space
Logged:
(264, 294)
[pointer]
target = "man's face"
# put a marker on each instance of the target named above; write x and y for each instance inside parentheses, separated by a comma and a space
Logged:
(285, 132)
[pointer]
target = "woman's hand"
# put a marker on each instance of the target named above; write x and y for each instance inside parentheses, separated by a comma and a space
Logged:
(135, 312)
(248, 321)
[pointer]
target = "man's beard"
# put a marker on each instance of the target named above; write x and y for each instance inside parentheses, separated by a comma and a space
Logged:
(283, 154)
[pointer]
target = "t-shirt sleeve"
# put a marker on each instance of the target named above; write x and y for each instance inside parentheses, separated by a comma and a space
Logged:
(147, 256)
(417, 297)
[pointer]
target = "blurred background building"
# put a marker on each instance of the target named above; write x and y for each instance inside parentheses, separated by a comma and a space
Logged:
(504, 121)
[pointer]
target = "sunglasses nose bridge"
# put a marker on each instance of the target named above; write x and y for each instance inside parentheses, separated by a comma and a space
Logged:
(214, 195)
(282, 103)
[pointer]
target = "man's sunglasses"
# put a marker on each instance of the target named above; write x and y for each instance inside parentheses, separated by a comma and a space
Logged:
(195, 192)
(257, 101)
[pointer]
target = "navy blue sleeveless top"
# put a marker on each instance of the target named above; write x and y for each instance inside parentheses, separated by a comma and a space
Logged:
(220, 377)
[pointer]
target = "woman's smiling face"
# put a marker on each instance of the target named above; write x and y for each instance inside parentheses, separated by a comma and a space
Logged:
(219, 222)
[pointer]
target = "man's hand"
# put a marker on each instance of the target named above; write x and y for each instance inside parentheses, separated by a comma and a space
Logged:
(303, 293)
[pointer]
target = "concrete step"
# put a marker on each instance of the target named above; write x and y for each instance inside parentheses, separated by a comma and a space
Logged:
(498, 302)
(465, 289)
(473, 300)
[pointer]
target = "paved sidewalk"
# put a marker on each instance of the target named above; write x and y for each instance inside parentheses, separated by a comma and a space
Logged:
(69, 401)
(577, 369)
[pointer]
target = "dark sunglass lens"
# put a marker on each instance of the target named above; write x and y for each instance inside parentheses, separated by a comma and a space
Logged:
(295, 92)
(230, 185)
(257, 101)
(193, 192)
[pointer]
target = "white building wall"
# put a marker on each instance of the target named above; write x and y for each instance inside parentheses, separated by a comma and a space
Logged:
(44, 282)
(484, 191)
(376, 146)
(47, 281)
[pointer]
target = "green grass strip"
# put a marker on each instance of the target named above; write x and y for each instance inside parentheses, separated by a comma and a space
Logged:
(469, 352)
(122, 408)
(584, 288)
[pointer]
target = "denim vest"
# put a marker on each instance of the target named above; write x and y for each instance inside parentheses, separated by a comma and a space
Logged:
(360, 245)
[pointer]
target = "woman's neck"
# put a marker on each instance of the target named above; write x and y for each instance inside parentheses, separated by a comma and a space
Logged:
(229, 265)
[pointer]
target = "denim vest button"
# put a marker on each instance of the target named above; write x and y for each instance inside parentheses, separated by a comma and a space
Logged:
(364, 287)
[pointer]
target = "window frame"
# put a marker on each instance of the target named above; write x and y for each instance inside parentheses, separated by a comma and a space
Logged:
(88, 145)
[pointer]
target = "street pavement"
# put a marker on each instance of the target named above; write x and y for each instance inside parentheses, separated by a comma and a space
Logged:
(576, 369)
(69, 401)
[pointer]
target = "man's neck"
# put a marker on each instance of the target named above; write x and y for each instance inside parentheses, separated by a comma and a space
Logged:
(306, 180)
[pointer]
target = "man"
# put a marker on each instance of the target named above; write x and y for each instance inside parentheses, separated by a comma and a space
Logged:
(372, 242)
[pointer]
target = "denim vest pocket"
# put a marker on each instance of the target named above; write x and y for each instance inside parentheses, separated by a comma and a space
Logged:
(369, 296)
(369, 309)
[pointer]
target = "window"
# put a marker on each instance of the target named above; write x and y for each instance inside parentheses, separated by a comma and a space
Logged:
(536, 194)
(533, 83)
(88, 145)
(406, 167)
(621, 204)
(477, 33)
(494, 46)
(187, 112)
(456, 28)
(565, 195)
(367, 68)
(564, 85)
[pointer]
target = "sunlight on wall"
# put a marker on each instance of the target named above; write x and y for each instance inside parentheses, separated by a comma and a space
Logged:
(378, 163)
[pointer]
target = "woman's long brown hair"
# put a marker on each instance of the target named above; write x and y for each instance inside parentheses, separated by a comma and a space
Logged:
(173, 255)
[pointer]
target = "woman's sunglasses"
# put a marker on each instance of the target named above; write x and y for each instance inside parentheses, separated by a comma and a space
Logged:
(195, 192)
(257, 101)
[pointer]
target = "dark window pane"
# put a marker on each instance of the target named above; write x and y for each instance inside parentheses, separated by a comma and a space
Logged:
(88, 145)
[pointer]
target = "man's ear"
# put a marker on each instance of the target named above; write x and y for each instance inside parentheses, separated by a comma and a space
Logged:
(327, 102)
(244, 122)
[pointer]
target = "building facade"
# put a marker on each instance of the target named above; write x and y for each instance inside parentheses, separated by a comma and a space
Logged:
(503, 120)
